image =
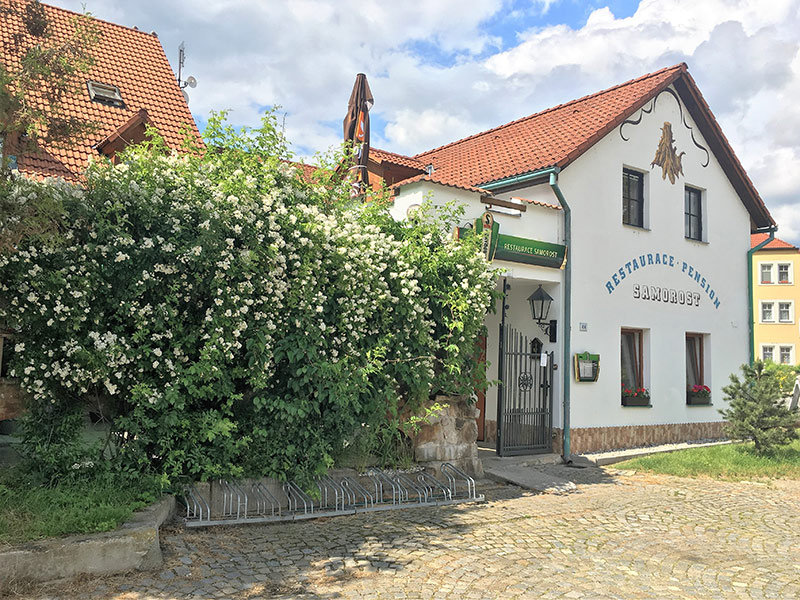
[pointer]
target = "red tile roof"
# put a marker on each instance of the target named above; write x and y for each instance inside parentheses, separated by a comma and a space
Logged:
(554, 137)
(775, 244)
(538, 203)
(132, 60)
(306, 169)
(381, 156)
(557, 136)
(434, 178)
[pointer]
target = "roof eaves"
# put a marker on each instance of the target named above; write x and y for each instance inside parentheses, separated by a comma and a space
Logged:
(137, 119)
(680, 69)
(428, 178)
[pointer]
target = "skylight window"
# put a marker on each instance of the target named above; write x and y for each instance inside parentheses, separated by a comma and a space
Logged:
(105, 93)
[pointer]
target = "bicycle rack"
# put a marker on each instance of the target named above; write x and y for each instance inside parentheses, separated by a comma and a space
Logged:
(233, 503)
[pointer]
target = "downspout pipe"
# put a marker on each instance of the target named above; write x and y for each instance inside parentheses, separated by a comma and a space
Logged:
(550, 174)
(566, 452)
(751, 325)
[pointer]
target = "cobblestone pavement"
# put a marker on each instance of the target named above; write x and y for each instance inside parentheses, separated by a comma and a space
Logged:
(619, 535)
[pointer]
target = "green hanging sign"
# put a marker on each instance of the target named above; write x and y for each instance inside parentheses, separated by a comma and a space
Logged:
(499, 246)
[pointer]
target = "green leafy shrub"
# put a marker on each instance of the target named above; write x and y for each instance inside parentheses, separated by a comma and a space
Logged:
(229, 317)
(786, 375)
(756, 410)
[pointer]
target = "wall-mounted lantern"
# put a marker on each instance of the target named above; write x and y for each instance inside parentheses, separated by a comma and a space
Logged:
(540, 302)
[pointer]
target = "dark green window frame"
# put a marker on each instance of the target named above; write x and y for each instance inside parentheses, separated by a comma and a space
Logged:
(693, 213)
(632, 198)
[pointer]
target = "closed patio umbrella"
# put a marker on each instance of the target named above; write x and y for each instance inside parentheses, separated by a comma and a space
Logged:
(356, 126)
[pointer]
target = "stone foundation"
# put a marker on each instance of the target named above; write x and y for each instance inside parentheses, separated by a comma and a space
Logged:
(598, 439)
(450, 437)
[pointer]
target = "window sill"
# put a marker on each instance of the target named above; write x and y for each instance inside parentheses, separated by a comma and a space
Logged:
(703, 242)
(635, 227)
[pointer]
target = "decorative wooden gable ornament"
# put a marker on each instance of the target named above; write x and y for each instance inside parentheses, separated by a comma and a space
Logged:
(667, 156)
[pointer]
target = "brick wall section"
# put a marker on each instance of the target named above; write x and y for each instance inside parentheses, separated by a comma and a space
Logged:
(10, 400)
(598, 439)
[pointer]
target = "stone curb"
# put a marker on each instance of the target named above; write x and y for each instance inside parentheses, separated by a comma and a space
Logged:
(133, 545)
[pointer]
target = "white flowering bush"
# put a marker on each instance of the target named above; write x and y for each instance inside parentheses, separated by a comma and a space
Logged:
(229, 317)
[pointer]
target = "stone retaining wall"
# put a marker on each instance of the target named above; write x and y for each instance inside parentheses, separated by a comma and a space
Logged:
(450, 437)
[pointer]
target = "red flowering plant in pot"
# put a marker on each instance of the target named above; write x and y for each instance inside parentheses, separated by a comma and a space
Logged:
(635, 396)
(698, 394)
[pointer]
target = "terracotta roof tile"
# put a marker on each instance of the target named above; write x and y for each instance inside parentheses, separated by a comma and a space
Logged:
(133, 61)
(775, 244)
(557, 136)
(380, 156)
(553, 137)
(538, 203)
(441, 181)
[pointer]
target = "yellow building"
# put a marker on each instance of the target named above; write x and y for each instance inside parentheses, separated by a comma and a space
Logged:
(776, 296)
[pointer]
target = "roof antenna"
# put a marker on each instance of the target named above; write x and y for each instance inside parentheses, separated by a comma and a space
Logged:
(190, 81)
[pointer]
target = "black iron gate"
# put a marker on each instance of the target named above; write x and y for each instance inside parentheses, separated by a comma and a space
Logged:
(525, 396)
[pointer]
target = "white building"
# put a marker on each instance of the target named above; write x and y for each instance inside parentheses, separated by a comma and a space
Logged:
(655, 211)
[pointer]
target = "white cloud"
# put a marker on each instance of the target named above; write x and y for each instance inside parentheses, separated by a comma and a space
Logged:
(788, 218)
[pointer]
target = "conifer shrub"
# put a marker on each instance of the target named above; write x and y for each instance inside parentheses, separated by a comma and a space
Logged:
(756, 410)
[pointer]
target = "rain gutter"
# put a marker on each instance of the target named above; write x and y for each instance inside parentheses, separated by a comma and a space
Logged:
(751, 317)
(552, 174)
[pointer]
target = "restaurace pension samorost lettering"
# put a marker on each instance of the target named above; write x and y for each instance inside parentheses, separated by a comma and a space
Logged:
(660, 293)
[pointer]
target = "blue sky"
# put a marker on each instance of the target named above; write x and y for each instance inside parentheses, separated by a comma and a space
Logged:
(443, 70)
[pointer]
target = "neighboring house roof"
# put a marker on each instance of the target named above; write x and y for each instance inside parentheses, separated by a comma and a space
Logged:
(132, 60)
(307, 170)
(381, 156)
(557, 136)
(434, 178)
(775, 244)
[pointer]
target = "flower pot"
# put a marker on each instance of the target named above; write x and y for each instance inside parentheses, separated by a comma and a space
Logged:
(635, 401)
(696, 400)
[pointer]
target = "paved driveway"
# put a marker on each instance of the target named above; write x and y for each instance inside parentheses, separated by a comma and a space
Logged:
(619, 535)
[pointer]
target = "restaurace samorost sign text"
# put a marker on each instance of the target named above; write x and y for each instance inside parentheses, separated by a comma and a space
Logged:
(660, 293)
(499, 246)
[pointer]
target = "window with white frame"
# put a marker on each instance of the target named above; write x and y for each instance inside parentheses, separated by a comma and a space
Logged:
(766, 273)
(785, 312)
(787, 355)
(767, 353)
(784, 273)
(767, 312)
